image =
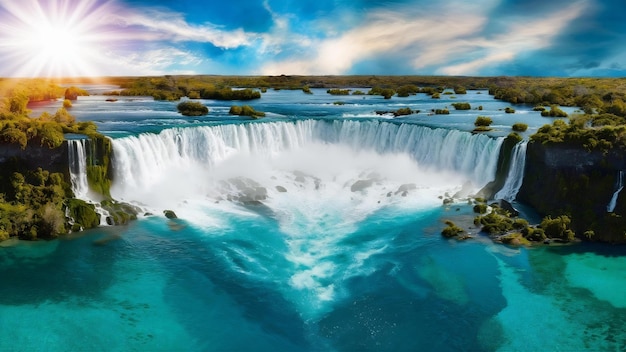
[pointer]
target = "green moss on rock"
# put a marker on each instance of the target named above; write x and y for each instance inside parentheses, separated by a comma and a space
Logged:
(83, 214)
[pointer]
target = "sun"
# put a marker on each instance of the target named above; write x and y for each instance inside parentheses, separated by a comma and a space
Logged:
(55, 48)
(59, 38)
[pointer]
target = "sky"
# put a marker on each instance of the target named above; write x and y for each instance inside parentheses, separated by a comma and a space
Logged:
(313, 37)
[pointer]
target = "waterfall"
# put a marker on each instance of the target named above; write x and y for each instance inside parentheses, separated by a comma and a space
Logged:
(516, 173)
(619, 185)
(77, 153)
(139, 160)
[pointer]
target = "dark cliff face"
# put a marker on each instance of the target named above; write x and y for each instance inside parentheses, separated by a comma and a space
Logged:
(33, 157)
(561, 179)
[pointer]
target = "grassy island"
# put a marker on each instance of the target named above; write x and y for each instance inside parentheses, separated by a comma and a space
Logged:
(192, 108)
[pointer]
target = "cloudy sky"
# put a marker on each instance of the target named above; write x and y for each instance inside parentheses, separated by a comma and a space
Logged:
(313, 37)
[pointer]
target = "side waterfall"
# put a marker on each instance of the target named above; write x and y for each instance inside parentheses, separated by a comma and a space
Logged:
(78, 167)
(619, 185)
(516, 173)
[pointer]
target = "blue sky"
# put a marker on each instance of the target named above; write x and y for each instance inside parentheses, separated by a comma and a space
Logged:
(313, 37)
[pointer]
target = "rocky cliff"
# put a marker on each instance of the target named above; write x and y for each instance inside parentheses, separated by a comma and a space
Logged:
(13, 157)
(561, 179)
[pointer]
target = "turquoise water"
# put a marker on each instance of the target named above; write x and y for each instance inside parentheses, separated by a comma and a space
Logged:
(341, 252)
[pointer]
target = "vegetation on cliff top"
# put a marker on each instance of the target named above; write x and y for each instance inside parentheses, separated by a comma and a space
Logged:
(34, 203)
(593, 132)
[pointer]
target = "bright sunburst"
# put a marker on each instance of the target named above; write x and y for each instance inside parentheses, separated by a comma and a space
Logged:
(53, 38)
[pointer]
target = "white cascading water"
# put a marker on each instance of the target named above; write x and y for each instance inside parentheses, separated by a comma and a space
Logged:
(619, 185)
(78, 167)
(140, 161)
(515, 175)
(318, 179)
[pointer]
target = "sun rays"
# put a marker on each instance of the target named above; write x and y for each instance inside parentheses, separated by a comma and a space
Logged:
(54, 39)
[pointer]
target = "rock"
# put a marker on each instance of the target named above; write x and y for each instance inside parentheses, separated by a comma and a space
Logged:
(120, 213)
(83, 213)
(170, 214)
(281, 189)
(405, 188)
(361, 185)
(508, 207)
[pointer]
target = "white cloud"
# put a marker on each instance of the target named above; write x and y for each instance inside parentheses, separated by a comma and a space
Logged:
(388, 33)
(157, 25)
(438, 36)
(153, 62)
(519, 38)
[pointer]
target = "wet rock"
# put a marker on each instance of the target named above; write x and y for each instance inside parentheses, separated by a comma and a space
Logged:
(361, 185)
(406, 187)
(170, 214)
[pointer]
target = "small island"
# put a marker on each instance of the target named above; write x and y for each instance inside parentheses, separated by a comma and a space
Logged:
(192, 108)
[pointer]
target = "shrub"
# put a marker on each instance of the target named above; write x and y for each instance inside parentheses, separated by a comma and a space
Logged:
(194, 94)
(516, 138)
(494, 223)
(462, 106)
(338, 91)
(67, 103)
(192, 108)
(460, 90)
(245, 110)
(406, 90)
(554, 112)
(386, 93)
(14, 136)
(480, 208)
(403, 112)
(557, 227)
(484, 121)
(520, 127)
(451, 229)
